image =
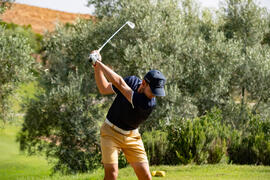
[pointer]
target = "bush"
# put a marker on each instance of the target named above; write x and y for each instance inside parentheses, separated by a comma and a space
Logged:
(155, 143)
(200, 140)
(217, 151)
(252, 144)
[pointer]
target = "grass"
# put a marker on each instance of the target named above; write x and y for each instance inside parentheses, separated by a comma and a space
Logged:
(18, 166)
(14, 164)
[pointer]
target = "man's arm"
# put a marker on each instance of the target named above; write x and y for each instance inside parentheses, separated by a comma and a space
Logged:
(103, 85)
(116, 80)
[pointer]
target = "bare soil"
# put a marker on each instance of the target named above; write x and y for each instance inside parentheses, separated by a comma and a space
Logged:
(41, 19)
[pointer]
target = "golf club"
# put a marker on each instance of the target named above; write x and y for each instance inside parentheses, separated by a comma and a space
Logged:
(94, 56)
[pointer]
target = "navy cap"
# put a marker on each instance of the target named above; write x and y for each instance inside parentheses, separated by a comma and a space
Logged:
(156, 81)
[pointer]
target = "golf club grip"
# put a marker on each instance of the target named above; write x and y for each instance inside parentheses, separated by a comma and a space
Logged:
(93, 58)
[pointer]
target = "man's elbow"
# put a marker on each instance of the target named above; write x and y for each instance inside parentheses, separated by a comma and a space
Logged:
(104, 92)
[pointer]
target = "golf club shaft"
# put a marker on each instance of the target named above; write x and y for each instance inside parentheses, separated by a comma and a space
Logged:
(111, 37)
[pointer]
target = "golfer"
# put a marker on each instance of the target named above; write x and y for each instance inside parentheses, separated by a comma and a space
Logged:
(133, 104)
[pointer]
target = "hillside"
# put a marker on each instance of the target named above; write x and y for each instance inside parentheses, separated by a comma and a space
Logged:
(41, 19)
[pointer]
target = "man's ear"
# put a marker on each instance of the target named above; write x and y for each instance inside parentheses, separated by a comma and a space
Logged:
(144, 83)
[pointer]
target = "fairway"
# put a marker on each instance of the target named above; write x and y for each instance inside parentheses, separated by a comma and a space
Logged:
(15, 165)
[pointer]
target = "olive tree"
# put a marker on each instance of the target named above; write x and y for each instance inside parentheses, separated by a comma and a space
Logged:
(246, 22)
(16, 63)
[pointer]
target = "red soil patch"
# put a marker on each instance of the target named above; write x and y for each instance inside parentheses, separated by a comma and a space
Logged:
(41, 19)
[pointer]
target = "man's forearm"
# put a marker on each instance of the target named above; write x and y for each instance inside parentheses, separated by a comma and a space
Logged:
(113, 77)
(99, 77)
(116, 80)
(101, 81)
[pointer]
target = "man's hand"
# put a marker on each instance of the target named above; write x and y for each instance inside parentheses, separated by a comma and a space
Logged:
(94, 57)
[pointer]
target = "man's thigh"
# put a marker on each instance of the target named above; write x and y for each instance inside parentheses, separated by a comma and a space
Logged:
(134, 149)
(112, 142)
(109, 146)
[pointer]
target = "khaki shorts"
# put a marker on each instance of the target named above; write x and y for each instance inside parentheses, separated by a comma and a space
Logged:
(112, 142)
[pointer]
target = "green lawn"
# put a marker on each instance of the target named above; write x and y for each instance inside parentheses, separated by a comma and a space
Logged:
(15, 165)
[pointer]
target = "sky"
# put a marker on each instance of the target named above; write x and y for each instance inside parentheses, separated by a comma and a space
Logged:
(79, 6)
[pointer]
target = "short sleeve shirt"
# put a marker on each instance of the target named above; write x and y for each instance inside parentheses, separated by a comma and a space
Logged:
(129, 116)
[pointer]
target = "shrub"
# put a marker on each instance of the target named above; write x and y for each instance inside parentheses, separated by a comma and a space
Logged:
(252, 144)
(200, 140)
(155, 143)
(217, 151)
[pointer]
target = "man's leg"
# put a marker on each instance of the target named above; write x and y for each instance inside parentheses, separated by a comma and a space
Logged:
(111, 171)
(136, 156)
(109, 150)
(142, 170)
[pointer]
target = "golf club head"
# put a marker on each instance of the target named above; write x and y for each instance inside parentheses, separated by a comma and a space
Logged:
(130, 24)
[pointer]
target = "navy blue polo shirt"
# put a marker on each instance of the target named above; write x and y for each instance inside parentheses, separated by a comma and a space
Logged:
(123, 114)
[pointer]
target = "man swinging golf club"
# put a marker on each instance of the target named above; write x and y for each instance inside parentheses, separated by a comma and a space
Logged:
(133, 104)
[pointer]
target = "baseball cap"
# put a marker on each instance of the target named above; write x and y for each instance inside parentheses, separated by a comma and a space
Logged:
(156, 81)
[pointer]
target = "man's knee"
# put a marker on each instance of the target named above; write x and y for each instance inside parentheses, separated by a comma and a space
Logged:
(142, 171)
(111, 172)
(111, 175)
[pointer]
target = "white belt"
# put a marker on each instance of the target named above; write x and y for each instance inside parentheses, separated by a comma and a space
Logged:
(119, 129)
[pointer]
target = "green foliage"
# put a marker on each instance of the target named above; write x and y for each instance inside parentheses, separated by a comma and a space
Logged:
(200, 140)
(252, 144)
(69, 113)
(217, 151)
(205, 67)
(155, 144)
(16, 64)
(122, 161)
(64, 125)
(198, 66)
(34, 39)
(245, 20)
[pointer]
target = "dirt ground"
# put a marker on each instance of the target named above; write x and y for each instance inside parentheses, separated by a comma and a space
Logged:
(41, 19)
